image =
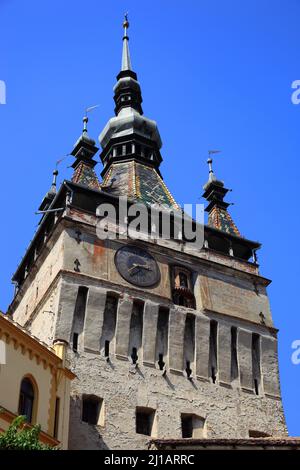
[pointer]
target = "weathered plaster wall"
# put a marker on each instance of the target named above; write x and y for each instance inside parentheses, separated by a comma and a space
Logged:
(42, 323)
(228, 412)
(33, 296)
(230, 407)
(234, 296)
(227, 291)
(215, 288)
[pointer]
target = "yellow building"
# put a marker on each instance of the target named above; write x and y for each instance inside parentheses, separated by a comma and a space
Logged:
(34, 382)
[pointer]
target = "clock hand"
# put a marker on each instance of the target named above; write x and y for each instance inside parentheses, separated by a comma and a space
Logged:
(134, 272)
(141, 266)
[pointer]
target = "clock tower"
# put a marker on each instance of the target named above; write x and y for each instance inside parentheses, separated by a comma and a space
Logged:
(165, 343)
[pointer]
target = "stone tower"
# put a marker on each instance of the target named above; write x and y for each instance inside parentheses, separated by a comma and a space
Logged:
(164, 342)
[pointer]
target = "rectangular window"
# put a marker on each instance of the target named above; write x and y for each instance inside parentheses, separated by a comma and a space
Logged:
(192, 426)
(91, 409)
(187, 426)
(145, 421)
(258, 434)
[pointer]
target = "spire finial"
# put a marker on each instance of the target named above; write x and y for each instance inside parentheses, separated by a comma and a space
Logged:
(210, 161)
(85, 121)
(53, 186)
(126, 62)
(125, 24)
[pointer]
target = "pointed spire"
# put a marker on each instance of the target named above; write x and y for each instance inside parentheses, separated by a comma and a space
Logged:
(131, 143)
(214, 193)
(50, 195)
(127, 89)
(126, 62)
(84, 151)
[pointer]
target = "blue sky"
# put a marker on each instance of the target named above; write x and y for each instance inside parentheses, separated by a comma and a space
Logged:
(214, 75)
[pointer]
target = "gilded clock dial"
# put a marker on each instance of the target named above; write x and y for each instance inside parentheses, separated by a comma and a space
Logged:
(137, 266)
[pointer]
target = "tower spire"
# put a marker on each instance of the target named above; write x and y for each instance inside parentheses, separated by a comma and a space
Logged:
(131, 143)
(84, 150)
(126, 61)
(50, 195)
(214, 193)
(127, 89)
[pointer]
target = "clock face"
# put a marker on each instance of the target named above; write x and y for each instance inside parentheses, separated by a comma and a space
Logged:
(137, 266)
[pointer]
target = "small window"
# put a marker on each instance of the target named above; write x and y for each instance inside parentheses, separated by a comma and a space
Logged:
(258, 434)
(182, 278)
(26, 401)
(92, 410)
(187, 426)
(144, 421)
(192, 426)
(182, 287)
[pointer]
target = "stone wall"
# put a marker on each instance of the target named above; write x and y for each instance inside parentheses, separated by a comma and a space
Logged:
(230, 407)
(176, 372)
(227, 412)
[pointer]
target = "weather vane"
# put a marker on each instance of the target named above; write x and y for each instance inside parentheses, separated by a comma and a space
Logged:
(213, 152)
(209, 160)
(91, 108)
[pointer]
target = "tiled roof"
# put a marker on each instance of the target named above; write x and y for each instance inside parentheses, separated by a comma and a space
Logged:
(221, 219)
(138, 182)
(84, 174)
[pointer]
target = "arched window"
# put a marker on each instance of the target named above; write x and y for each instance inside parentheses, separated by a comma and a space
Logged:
(26, 400)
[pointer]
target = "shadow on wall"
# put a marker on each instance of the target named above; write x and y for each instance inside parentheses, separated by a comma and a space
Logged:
(82, 435)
